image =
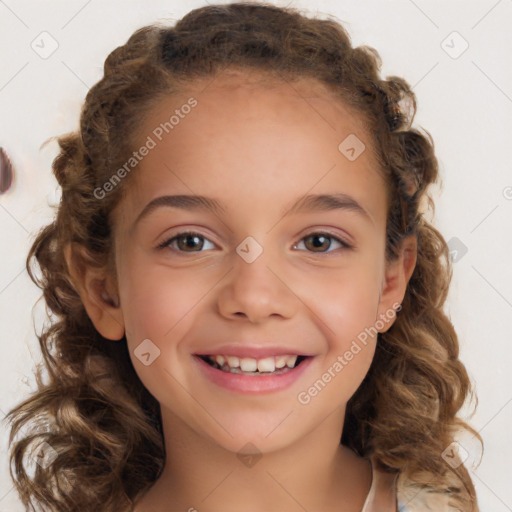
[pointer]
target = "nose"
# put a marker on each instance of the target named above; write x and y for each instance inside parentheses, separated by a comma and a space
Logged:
(257, 290)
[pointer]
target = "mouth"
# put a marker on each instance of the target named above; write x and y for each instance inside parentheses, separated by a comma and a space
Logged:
(273, 365)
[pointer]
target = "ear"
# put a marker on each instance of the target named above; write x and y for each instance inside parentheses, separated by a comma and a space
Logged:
(397, 275)
(98, 292)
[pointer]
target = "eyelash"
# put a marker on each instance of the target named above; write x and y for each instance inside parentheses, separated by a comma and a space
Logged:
(165, 244)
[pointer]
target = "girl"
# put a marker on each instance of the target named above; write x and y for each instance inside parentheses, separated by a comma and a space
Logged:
(249, 299)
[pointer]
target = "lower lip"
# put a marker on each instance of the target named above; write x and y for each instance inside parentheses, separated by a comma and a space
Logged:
(252, 384)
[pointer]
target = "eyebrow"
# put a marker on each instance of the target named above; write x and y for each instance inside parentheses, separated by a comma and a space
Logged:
(309, 203)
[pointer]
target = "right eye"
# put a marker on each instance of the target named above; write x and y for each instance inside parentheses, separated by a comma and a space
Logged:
(184, 240)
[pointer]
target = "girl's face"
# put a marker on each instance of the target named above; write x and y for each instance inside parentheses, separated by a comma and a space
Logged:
(263, 275)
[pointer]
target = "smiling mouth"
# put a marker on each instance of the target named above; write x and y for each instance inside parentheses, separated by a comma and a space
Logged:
(248, 366)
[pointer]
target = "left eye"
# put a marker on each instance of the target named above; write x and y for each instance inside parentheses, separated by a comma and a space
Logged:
(190, 240)
(319, 241)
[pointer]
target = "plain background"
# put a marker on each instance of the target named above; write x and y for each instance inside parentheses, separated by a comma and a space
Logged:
(455, 54)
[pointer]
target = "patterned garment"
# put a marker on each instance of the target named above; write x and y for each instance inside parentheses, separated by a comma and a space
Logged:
(413, 499)
(390, 492)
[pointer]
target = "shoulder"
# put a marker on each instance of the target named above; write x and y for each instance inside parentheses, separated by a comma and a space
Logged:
(412, 498)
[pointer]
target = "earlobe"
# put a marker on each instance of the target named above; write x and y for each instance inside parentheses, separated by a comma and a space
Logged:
(97, 292)
(397, 276)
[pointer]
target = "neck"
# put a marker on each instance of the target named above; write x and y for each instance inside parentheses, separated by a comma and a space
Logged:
(314, 473)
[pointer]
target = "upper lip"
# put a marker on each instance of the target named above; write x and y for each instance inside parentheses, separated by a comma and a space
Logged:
(252, 351)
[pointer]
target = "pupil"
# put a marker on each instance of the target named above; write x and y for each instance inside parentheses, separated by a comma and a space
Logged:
(188, 238)
(316, 238)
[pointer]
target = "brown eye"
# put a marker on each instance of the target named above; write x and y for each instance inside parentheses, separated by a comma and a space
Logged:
(318, 241)
(182, 242)
(315, 242)
(190, 241)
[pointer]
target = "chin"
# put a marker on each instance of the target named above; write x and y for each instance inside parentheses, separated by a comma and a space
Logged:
(252, 433)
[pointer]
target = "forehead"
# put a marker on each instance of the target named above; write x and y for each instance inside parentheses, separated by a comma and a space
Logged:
(244, 104)
(252, 132)
(276, 93)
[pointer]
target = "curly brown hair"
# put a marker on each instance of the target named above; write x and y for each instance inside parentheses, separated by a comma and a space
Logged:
(93, 410)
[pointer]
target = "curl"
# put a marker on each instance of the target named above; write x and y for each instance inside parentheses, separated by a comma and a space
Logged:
(93, 411)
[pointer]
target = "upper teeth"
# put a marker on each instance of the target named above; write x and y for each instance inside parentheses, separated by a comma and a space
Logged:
(248, 364)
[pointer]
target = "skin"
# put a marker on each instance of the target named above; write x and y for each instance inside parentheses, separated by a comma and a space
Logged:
(256, 149)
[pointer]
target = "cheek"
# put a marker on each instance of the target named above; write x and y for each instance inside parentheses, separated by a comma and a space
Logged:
(157, 300)
(158, 308)
(349, 312)
(351, 341)
(349, 302)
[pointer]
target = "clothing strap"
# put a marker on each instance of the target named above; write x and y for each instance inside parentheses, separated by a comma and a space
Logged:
(383, 493)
